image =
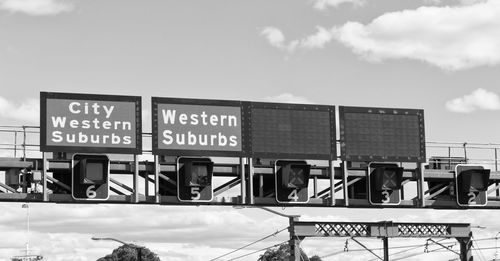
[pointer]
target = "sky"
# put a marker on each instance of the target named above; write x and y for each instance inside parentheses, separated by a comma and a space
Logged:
(442, 56)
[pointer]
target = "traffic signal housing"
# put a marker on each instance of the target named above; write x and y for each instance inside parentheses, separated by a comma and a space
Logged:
(194, 179)
(90, 177)
(384, 183)
(292, 181)
(471, 183)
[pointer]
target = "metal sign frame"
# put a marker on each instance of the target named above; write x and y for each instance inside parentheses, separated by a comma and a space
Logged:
(73, 181)
(298, 192)
(332, 155)
(346, 156)
(44, 96)
(472, 198)
(155, 101)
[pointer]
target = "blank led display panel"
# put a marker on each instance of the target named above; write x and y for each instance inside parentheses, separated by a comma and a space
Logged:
(382, 134)
(292, 131)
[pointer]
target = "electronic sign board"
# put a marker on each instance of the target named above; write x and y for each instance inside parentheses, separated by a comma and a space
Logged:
(382, 134)
(73, 122)
(292, 131)
(192, 127)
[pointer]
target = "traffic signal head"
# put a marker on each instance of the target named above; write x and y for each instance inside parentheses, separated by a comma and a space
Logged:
(471, 183)
(387, 176)
(90, 177)
(294, 174)
(197, 172)
(473, 179)
(93, 170)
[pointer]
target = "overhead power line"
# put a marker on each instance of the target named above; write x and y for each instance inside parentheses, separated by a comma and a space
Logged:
(257, 251)
(255, 242)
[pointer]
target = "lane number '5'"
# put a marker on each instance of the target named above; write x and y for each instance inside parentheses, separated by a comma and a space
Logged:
(195, 193)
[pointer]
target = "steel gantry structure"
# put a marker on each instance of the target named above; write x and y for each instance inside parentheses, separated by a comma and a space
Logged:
(331, 186)
(300, 230)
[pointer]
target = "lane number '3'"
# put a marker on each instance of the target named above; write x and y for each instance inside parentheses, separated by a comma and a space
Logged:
(386, 196)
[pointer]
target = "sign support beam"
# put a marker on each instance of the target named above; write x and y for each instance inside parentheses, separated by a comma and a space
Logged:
(45, 164)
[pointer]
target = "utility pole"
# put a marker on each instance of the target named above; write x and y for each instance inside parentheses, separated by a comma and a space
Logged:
(294, 242)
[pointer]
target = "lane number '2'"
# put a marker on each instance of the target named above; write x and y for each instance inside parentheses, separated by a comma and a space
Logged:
(472, 198)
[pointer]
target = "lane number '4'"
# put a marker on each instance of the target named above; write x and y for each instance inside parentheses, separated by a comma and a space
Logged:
(195, 193)
(294, 196)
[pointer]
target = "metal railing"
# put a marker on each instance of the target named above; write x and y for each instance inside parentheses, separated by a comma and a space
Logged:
(23, 142)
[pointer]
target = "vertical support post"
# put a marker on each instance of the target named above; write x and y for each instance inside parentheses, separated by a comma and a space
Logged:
(146, 178)
(251, 199)
(139, 253)
(331, 170)
(243, 181)
(261, 185)
(24, 143)
(294, 242)
(465, 152)
(466, 248)
(420, 184)
(386, 247)
(157, 176)
(15, 144)
(45, 167)
(496, 169)
(135, 195)
(315, 187)
(345, 174)
(449, 158)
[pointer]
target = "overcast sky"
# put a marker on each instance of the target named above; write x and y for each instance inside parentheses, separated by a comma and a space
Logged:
(442, 56)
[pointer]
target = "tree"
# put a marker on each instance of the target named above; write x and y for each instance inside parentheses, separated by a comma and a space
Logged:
(129, 253)
(282, 253)
(315, 258)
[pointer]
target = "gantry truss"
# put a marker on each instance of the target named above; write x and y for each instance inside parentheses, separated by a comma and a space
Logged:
(249, 183)
(384, 230)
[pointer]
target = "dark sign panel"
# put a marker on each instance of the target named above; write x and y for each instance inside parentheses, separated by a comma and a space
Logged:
(196, 127)
(90, 123)
(292, 131)
(382, 134)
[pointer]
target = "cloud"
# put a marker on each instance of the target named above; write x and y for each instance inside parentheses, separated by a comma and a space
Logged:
(451, 38)
(276, 38)
(36, 7)
(28, 110)
(287, 98)
(479, 99)
(324, 4)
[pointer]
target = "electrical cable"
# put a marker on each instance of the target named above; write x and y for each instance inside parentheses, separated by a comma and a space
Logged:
(257, 251)
(477, 248)
(395, 247)
(407, 250)
(245, 246)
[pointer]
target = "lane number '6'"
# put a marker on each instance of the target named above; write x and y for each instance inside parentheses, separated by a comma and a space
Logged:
(91, 193)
